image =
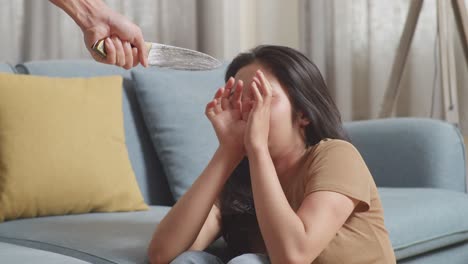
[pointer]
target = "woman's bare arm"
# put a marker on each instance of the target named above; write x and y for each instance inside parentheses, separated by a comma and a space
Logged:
(179, 229)
(210, 231)
(194, 221)
(308, 231)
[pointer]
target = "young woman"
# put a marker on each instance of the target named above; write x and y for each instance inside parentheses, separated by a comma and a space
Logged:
(285, 184)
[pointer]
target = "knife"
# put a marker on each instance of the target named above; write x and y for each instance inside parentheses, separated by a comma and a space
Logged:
(167, 56)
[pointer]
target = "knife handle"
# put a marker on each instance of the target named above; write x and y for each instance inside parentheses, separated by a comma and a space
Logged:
(100, 48)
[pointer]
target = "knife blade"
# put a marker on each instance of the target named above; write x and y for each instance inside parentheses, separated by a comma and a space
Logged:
(167, 56)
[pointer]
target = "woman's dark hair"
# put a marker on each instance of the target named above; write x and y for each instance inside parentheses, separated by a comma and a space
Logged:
(308, 94)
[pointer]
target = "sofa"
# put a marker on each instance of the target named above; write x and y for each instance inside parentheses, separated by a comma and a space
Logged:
(417, 163)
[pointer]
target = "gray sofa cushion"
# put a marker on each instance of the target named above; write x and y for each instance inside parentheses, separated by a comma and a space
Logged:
(5, 67)
(11, 253)
(97, 238)
(173, 106)
(145, 163)
(420, 220)
(411, 152)
(455, 254)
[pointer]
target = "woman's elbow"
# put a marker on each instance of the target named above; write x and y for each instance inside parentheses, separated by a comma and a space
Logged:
(293, 256)
(291, 259)
(154, 259)
(156, 256)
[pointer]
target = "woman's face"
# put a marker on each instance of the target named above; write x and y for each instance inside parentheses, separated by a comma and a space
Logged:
(283, 131)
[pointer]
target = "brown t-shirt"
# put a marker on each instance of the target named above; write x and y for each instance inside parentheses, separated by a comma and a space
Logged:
(336, 165)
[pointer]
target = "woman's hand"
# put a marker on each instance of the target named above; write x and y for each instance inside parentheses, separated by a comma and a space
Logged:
(225, 114)
(258, 123)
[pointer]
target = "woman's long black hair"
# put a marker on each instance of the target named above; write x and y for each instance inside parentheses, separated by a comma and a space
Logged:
(308, 94)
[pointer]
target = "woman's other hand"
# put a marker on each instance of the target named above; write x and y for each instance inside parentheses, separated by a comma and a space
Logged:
(258, 123)
(225, 114)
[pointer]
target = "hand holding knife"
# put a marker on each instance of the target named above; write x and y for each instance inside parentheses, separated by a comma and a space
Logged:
(167, 56)
(104, 29)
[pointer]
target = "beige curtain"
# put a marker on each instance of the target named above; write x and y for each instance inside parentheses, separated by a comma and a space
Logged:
(227, 27)
(37, 30)
(354, 44)
(352, 41)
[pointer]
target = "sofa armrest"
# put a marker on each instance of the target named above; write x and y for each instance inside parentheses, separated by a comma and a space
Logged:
(411, 152)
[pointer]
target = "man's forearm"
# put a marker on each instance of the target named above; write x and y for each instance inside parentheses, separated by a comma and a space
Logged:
(84, 12)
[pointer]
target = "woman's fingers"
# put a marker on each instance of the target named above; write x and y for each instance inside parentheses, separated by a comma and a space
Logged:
(256, 92)
(218, 108)
(229, 85)
(226, 98)
(221, 96)
(261, 87)
(218, 93)
(209, 109)
(225, 103)
(259, 84)
(265, 87)
(237, 96)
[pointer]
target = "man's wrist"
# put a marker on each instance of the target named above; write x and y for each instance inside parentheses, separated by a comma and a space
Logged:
(85, 13)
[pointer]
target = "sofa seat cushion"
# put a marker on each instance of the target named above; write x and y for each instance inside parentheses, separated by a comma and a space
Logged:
(421, 219)
(17, 254)
(96, 238)
(418, 221)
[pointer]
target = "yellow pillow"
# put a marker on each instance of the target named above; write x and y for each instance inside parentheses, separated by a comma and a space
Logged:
(62, 147)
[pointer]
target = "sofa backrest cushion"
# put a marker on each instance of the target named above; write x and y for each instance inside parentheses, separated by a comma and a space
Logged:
(5, 67)
(411, 152)
(173, 106)
(145, 163)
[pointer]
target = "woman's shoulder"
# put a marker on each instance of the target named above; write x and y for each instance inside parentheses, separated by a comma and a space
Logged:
(331, 149)
(327, 144)
(336, 165)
